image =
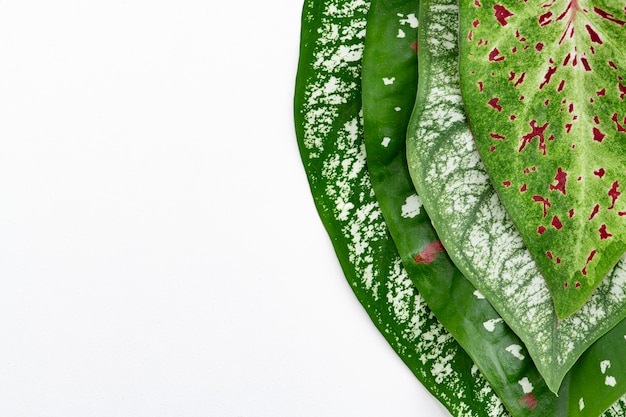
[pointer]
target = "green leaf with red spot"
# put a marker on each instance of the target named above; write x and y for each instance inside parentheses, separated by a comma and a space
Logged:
(543, 82)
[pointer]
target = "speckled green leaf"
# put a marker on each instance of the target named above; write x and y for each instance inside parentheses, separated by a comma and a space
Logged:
(389, 85)
(474, 228)
(328, 128)
(543, 82)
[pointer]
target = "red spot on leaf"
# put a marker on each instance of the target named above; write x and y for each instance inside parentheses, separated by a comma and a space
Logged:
(584, 270)
(496, 136)
(603, 233)
(475, 23)
(541, 229)
(585, 63)
(598, 136)
(507, 184)
(545, 19)
(614, 194)
(549, 255)
(492, 148)
(561, 85)
(547, 76)
(429, 253)
(415, 46)
(523, 188)
(494, 103)
(501, 13)
(539, 46)
(622, 91)
(568, 127)
(619, 127)
(477, 3)
(612, 65)
(593, 35)
(544, 201)
(571, 213)
(494, 55)
(520, 79)
(566, 60)
(480, 86)
(556, 223)
(596, 120)
(561, 178)
(513, 117)
(608, 16)
(595, 210)
(537, 131)
(599, 173)
(529, 401)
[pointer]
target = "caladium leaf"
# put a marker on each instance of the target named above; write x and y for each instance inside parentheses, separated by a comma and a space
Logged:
(474, 228)
(389, 85)
(543, 82)
(328, 128)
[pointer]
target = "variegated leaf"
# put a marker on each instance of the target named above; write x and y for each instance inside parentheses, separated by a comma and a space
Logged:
(545, 93)
(475, 229)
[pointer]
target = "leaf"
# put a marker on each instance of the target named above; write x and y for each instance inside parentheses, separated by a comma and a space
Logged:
(481, 240)
(544, 85)
(328, 128)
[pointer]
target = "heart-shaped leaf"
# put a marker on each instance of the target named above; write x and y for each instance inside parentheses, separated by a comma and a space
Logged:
(482, 241)
(543, 82)
(328, 128)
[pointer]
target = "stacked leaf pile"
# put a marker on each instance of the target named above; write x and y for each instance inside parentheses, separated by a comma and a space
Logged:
(468, 160)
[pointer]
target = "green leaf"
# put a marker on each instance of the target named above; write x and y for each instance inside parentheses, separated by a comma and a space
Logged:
(474, 228)
(544, 85)
(328, 128)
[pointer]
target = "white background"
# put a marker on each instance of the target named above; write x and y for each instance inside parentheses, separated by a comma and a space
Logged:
(160, 254)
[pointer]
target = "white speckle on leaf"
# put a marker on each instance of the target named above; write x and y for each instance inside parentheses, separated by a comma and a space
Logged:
(526, 385)
(516, 350)
(398, 108)
(412, 206)
(581, 404)
(604, 365)
(411, 20)
(490, 325)
(610, 381)
(389, 81)
(386, 141)
(401, 34)
(478, 295)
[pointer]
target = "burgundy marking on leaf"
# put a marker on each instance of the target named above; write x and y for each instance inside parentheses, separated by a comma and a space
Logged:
(475, 23)
(511, 76)
(537, 131)
(544, 201)
(600, 172)
(470, 35)
(583, 59)
(619, 127)
(539, 46)
(501, 13)
(520, 79)
(429, 253)
(547, 102)
(596, 120)
(565, 285)
(547, 76)
(549, 255)
(571, 213)
(621, 213)
(577, 285)
(477, 3)
(614, 194)
(568, 127)
(608, 16)
(512, 117)
(622, 90)
(497, 136)
(561, 178)
(493, 55)
(612, 65)
(415, 46)
(529, 401)
(507, 184)
(566, 60)
(556, 222)
(541, 229)
(545, 19)
(598, 136)
(480, 86)
(589, 259)
(561, 85)
(593, 35)
(523, 188)
(603, 233)
(492, 148)
(494, 103)
(595, 210)
(558, 260)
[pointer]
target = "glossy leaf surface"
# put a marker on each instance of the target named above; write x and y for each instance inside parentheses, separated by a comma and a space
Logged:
(543, 82)
(328, 128)
(479, 236)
